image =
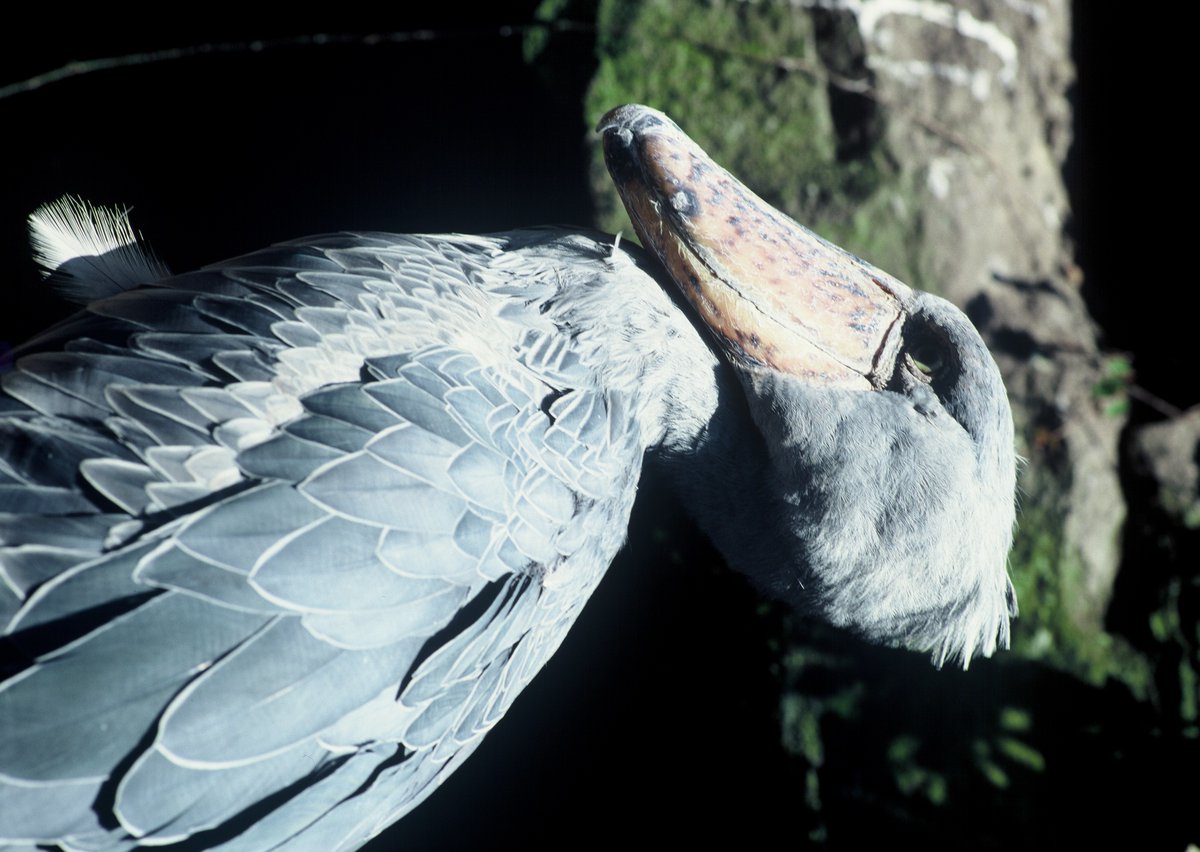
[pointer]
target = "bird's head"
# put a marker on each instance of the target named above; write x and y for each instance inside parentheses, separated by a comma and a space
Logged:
(889, 441)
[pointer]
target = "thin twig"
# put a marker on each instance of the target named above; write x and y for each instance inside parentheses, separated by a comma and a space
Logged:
(1156, 402)
(91, 66)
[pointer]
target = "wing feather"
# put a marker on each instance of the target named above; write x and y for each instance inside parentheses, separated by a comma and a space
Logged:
(355, 517)
(49, 738)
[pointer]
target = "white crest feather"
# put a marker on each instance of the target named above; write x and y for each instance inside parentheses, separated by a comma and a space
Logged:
(89, 252)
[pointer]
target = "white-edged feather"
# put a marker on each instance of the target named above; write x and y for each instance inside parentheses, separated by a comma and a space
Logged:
(89, 251)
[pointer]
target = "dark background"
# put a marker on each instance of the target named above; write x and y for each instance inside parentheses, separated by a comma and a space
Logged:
(657, 720)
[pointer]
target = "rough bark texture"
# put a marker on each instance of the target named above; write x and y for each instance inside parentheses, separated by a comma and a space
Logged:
(1168, 454)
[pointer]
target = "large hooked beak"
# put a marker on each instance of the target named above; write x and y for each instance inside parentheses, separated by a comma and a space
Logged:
(774, 293)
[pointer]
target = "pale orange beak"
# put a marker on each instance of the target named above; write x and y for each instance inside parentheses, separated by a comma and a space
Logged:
(773, 292)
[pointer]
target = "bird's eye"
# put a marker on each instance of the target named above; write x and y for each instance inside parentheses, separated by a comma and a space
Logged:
(927, 358)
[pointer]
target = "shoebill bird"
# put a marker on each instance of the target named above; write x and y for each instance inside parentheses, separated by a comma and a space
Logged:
(283, 538)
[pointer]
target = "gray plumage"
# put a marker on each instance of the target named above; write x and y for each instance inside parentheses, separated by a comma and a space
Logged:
(292, 532)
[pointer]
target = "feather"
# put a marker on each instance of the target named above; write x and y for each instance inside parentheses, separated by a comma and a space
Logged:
(49, 739)
(90, 252)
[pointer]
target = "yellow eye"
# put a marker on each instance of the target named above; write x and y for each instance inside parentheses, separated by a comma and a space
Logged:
(927, 359)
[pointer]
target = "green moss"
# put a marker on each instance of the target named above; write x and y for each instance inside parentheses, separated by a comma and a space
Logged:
(996, 776)
(730, 75)
(1056, 628)
(1189, 689)
(912, 778)
(1168, 628)
(1160, 626)
(812, 796)
(537, 39)
(1022, 753)
(1016, 719)
(1059, 624)
(801, 726)
(1113, 386)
